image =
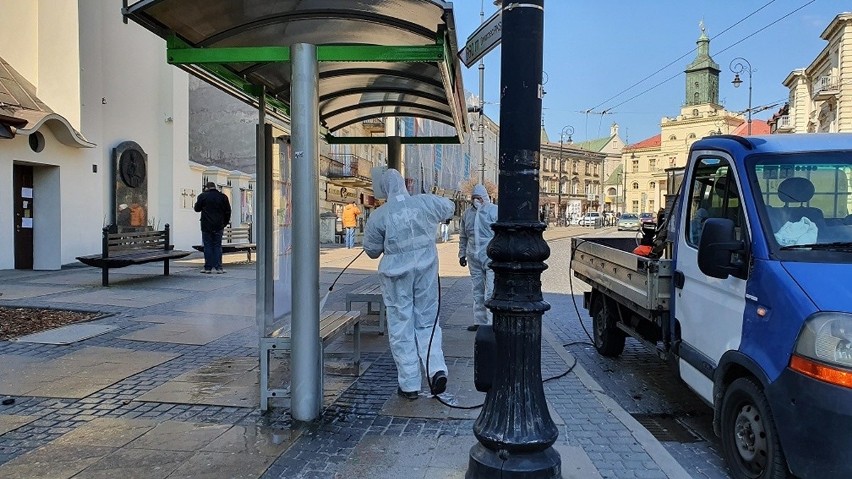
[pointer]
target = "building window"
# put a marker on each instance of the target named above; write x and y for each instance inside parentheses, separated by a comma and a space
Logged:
(635, 206)
(651, 205)
(652, 164)
(611, 192)
(652, 185)
(635, 185)
(695, 112)
(672, 138)
(635, 166)
(692, 136)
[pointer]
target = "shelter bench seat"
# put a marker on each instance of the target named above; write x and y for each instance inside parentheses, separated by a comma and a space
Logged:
(370, 294)
(130, 248)
(235, 239)
(333, 324)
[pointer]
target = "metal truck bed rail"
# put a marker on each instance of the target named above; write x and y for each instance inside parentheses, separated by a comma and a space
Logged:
(609, 264)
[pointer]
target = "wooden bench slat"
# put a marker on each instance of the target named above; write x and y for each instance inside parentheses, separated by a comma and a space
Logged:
(137, 234)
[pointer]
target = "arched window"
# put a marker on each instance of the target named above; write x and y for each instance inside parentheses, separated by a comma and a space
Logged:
(696, 97)
(692, 136)
(635, 185)
(652, 185)
(611, 192)
(695, 112)
(672, 138)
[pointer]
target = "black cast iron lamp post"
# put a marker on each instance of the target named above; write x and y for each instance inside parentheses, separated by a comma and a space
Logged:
(514, 428)
(739, 65)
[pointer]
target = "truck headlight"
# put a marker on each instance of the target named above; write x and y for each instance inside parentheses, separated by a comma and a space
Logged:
(827, 337)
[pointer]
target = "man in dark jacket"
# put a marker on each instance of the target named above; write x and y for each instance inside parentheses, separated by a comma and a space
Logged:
(215, 212)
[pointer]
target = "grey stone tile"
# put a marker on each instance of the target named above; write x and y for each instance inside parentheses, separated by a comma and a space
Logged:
(254, 439)
(10, 422)
(243, 305)
(53, 462)
(129, 463)
(460, 391)
(179, 436)
(124, 297)
(11, 291)
(106, 432)
(186, 333)
(215, 465)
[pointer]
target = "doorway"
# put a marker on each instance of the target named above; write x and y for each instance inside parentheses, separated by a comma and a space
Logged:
(22, 185)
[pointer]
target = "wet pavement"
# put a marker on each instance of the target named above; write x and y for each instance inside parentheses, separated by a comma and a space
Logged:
(169, 389)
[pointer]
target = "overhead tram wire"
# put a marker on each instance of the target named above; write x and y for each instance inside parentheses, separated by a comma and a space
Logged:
(720, 51)
(590, 110)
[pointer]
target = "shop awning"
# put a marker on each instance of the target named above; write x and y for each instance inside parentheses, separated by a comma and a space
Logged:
(378, 58)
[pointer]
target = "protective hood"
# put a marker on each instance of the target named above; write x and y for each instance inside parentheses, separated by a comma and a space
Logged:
(479, 190)
(828, 285)
(393, 185)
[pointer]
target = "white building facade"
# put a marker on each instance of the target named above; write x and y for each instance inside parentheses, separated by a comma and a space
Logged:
(100, 83)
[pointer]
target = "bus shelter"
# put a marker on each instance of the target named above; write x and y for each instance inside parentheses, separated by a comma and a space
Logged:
(319, 65)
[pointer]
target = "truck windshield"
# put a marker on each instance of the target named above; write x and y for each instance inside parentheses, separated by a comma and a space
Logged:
(805, 201)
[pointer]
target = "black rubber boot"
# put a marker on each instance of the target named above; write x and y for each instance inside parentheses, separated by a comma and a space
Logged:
(439, 383)
(410, 395)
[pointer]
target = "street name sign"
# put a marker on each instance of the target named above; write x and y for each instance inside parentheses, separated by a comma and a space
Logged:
(483, 40)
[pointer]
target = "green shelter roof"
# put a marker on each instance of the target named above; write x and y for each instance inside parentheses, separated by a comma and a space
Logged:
(376, 58)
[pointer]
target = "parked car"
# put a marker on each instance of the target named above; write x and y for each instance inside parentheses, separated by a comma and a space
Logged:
(590, 219)
(628, 221)
(647, 218)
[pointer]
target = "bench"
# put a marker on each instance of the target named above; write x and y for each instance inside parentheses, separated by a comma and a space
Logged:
(333, 324)
(369, 294)
(234, 240)
(132, 247)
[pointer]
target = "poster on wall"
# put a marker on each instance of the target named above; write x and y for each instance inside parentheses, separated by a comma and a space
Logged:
(282, 229)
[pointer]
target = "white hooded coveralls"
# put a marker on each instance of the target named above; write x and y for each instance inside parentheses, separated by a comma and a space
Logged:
(474, 237)
(404, 230)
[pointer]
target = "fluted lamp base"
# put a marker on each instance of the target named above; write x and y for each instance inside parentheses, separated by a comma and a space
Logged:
(487, 464)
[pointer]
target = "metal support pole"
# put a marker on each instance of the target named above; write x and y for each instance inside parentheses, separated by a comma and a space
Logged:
(482, 100)
(306, 350)
(263, 221)
(514, 428)
(395, 153)
(559, 187)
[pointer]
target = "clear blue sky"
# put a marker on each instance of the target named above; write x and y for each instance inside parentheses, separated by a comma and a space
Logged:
(594, 49)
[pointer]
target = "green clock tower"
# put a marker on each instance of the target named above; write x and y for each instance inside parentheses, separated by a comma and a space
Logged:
(702, 75)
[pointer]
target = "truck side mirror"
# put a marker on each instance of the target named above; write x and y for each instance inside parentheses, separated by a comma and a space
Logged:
(718, 241)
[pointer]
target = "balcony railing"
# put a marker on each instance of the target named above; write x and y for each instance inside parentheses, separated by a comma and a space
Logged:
(784, 123)
(825, 87)
(347, 166)
(374, 125)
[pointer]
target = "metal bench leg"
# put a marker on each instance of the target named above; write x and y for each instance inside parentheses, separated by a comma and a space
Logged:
(166, 268)
(105, 276)
(264, 377)
(357, 346)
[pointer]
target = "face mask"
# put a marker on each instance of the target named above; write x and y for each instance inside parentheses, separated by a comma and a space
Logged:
(477, 203)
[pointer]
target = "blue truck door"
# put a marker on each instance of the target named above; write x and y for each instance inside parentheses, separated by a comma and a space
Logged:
(709, 310)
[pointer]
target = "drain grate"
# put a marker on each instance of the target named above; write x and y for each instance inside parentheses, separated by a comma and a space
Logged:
(666, 428)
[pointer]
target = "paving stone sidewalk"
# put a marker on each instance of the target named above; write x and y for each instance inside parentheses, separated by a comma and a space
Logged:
(170, 388)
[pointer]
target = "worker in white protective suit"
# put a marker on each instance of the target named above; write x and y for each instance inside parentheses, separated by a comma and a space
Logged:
(475, 235)
(404, 230)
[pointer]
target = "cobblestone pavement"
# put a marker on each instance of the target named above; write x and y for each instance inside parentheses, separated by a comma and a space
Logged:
(118, 427)
(638, 380)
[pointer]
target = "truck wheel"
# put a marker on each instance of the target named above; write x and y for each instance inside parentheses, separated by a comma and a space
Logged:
(749, 438)
(609, 340)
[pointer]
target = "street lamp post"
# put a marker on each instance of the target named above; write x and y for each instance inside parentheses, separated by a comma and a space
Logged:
(514, 430)
(739, 65)
(559, 183)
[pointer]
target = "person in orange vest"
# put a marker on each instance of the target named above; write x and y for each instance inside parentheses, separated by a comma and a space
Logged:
(350, 222)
